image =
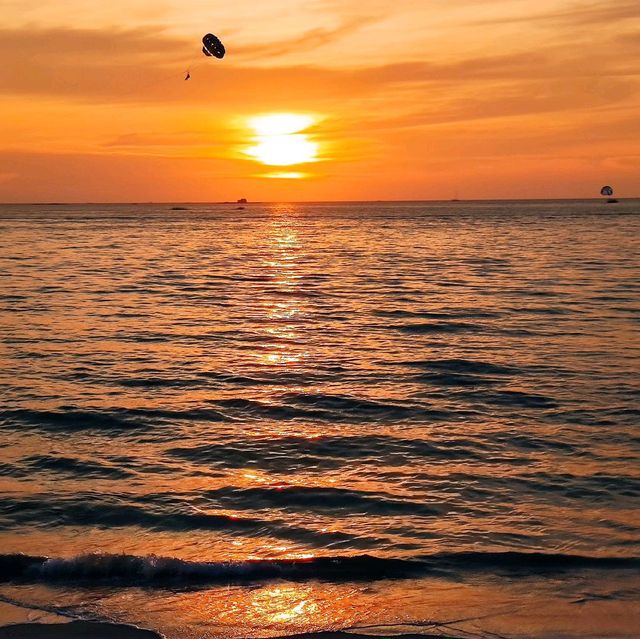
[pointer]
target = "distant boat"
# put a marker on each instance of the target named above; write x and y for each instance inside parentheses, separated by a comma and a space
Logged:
(612, 201)
(242, 200)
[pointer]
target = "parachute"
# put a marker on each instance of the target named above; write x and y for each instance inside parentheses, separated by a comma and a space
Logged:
(212, 46)
(606, 191)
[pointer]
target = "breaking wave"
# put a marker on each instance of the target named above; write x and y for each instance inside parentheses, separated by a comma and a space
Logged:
(132, 570)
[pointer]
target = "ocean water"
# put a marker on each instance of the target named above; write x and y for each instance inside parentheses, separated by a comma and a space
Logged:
(292, 417)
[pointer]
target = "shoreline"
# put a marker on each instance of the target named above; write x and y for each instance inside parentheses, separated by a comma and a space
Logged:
(76, 630)
(107, 630)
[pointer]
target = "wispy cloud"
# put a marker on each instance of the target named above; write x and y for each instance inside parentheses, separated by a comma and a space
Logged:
(309, 39)
(69, 45)
(577, 14)
(125, 66)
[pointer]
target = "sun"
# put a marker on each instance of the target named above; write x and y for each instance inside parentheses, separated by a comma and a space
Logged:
(280, 123)
(279, 140)
(284, 150)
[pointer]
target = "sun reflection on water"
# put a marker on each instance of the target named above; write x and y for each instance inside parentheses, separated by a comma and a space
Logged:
(283, 305)
(284, 604)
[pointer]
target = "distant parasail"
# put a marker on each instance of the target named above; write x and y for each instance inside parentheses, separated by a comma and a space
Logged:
(212, 46)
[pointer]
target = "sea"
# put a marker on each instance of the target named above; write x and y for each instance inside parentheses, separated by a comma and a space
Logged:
(257, 420)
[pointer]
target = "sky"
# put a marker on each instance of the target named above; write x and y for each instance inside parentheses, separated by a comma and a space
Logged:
(318, 100)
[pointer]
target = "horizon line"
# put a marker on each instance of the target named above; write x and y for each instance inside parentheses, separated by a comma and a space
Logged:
(377, 201)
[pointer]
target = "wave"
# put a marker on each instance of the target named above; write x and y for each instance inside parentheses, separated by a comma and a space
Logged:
(328, 407)
(467, 314)
(324, 500)
(132, 570)
(167, 515)
(454, 379)
(326, 452)
(510, 398)
(70, 418)
(439, 327)
(464, 366)
(75, 467)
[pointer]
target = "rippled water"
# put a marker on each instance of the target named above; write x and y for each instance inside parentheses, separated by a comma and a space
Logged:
(353, 413)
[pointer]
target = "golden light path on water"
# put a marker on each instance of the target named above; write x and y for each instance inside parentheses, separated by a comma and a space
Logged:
(281, 314)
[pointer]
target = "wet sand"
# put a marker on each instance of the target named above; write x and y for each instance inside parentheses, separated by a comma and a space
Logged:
(75, 630)
(95, 630)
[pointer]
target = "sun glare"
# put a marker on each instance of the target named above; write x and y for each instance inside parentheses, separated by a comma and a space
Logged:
(285, 175)
(280, 123)
(279, 141)
(284, 150)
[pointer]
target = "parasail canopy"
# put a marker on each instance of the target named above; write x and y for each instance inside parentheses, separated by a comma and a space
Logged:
(606, 190)
(212, 46)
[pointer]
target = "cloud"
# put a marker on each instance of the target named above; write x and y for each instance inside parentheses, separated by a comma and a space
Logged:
(137, 140)
(139, 65)
(311, 39)
(598, 13)
(93, 177)
(85, 63)
(64, 45)
(581, 113)
(630, 39)
(149, 65)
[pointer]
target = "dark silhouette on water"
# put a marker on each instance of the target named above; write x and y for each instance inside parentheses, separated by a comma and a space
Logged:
(607, 191)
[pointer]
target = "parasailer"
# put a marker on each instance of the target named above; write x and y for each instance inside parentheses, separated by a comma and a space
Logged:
(212, 47)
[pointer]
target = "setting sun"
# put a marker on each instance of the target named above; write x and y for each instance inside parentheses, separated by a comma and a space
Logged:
(279, 141)
(280, 123)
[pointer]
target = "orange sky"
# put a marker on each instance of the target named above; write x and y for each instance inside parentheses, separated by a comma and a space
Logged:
(403, 99)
